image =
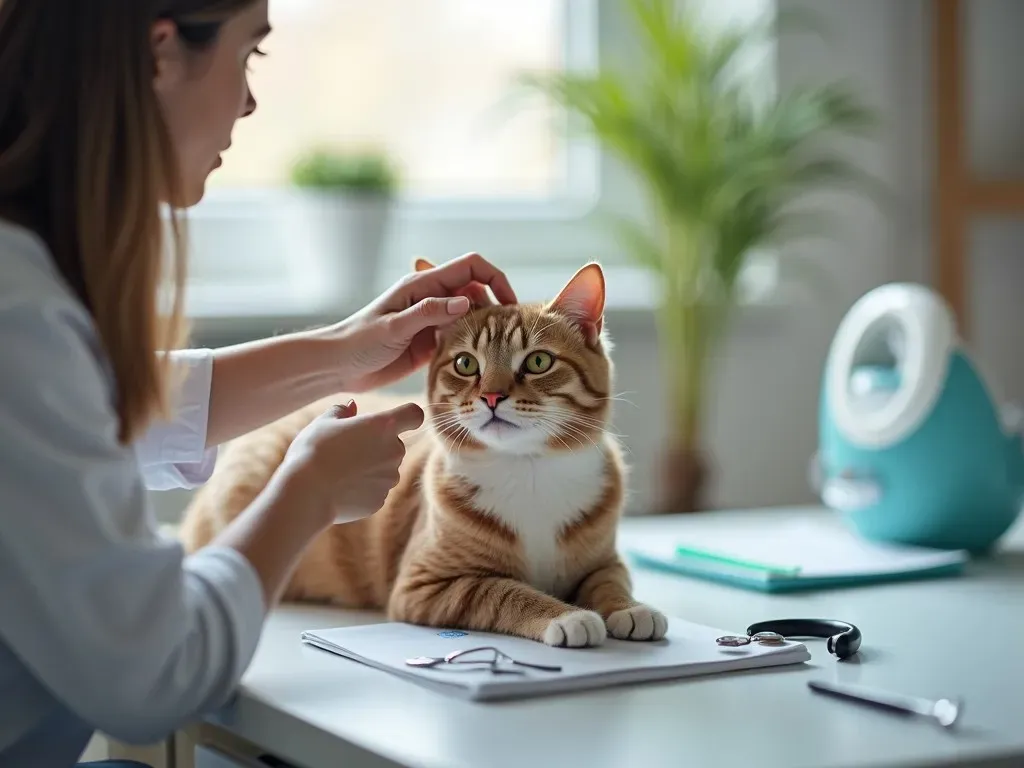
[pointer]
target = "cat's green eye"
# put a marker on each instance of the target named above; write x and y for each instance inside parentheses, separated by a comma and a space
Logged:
(539, 362)
(466, 365)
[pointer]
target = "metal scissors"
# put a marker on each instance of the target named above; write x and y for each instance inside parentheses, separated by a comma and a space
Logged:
(493, 658)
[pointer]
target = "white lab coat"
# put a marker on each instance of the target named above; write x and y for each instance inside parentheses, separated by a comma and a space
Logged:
(104, 624)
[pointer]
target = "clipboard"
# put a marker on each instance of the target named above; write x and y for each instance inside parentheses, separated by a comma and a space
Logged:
(789, 557)
(688, 650)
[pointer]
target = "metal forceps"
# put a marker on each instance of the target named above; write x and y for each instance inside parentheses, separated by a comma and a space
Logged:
(492, 657)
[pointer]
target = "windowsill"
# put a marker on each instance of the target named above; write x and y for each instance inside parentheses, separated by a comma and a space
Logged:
(219, 309)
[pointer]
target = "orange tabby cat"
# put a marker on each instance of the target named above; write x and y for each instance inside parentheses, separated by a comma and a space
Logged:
(505, 516)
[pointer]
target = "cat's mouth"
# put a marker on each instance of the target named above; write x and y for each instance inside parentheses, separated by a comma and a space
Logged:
(496, 422)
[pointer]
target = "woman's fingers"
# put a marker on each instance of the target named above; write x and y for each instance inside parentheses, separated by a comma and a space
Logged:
(477, 295)
(459, 273)
(428, 313)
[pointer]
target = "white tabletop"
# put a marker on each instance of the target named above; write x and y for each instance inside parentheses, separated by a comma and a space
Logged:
(959, 636)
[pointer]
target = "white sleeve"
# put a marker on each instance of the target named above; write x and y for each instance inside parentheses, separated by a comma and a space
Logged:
(173, 454)
(130, 633)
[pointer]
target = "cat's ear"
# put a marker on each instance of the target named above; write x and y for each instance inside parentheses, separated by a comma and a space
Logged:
(582, 300)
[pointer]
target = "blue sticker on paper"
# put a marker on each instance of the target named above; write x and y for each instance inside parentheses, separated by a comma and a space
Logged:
(449, 633)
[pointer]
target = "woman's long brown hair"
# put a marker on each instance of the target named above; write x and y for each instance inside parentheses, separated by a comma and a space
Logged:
(86, 163)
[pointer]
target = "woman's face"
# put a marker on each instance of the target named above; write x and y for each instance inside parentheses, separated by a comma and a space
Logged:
(202, 93)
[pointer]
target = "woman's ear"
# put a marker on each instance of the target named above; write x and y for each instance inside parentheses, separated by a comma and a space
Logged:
(168, 57)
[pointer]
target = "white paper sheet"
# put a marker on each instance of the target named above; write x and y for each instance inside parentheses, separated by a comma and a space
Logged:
(688, 650)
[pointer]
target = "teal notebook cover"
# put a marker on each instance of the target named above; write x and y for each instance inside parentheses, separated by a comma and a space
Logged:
(787, 558)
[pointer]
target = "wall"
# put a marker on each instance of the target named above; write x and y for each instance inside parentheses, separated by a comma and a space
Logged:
(996, 111)
(761, 426)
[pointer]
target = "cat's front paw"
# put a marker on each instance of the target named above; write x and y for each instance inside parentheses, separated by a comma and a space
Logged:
(638, 623)
(578, 629)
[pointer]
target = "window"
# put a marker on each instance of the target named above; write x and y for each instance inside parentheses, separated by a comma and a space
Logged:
(431, 82)
(425, 80)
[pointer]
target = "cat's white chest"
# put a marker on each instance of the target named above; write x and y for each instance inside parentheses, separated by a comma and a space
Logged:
(537, 497)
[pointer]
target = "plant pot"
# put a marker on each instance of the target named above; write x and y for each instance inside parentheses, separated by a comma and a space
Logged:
(340, 238)
(684, 479)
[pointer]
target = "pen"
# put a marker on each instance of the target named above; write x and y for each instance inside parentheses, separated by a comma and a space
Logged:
(943, 711)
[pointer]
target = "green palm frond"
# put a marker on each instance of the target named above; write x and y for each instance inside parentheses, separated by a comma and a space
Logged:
(705, 145)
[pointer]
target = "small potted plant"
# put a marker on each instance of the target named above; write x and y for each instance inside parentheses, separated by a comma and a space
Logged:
(345, 199)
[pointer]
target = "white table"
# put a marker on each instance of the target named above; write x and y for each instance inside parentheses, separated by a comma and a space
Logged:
(314, 709)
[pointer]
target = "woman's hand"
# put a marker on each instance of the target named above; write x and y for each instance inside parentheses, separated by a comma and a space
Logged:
(343, 465)
(395, 335)
(340, 468)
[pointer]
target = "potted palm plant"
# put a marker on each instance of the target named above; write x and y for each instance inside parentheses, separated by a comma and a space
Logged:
(722, 165)
(345, 200)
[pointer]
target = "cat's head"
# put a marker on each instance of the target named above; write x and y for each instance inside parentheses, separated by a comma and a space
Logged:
(526, 379)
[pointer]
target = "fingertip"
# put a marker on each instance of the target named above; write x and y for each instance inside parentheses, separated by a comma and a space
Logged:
(457, 305)
(414, 414)
(343, 410)
(503, 292)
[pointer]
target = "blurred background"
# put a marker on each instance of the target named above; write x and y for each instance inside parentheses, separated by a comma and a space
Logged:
(418, 96)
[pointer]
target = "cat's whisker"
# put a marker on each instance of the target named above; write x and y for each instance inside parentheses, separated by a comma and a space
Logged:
(465, 436)
(560, 419)
(448, 416)
(619, 399)
(582, 418)
(452, 415)
(566, 423)
(533, 330)
(556, 411)
(441, 425)
(446, 428)
(448, 433)
(553, 435)
(454, 435)
(452, 412)
(579, 435)
(535, 334)
(575, 421)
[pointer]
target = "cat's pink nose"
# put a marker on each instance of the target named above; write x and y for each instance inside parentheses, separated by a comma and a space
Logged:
(493, 398)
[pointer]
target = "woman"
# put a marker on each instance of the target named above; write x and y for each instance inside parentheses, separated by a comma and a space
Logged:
(107, 111)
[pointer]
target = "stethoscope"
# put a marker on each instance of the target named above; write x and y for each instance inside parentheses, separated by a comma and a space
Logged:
(842, 638)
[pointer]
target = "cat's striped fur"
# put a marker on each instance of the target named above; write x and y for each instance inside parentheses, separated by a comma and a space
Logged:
(508, 527)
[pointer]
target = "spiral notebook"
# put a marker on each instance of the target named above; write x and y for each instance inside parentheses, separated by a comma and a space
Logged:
(785, 557)
(688, 650)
